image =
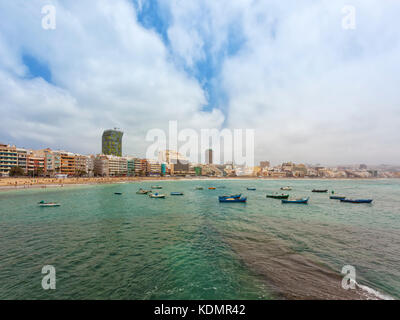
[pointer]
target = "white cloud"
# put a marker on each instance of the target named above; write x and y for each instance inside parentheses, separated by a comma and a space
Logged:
(312, 91)
(107, 71)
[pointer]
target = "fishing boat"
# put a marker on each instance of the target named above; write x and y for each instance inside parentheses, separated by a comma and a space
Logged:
(118, 193)
(320, 190)
(142, 191)
(211, 188)
(233, 199)
(278, 196)
(156, 187)
(337, 197)
(357, 200)
(199, 188)
(286, 188)
(236, 196)
(301, 201)
(157, 195)
(48, 204)
(176, 193)
(251, 188)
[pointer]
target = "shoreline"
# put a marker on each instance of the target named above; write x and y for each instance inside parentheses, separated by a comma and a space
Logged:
(7, 184)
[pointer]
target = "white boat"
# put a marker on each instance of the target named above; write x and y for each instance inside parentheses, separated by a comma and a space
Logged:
(157, 196)
(286, 188)
(48, 204)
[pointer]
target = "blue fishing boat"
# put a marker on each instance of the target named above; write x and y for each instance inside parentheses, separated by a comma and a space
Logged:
(176, 193)
(251, 188)
(337, 197)
(231, 196)
(357, 200)
(301, 201)
(232, 199)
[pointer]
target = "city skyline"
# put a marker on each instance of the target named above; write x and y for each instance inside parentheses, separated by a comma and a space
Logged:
(312, 91)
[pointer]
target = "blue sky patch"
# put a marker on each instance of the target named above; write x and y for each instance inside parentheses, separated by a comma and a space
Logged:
(36, 68)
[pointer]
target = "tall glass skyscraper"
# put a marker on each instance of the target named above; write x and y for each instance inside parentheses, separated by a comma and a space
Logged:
(112, 142)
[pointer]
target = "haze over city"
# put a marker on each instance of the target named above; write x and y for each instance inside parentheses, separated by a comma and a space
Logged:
(313, 91)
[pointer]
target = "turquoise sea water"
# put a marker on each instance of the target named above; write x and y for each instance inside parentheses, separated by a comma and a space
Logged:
(107, 246)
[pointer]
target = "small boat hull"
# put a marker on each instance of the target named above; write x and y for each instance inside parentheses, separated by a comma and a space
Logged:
(357, 200)
(278, 196)
(49, 205)
(157, 196)
(235, 196)
(337, 197)
(143, 192)
(156, 187)
(251, 189)
(176, 193)
(286, 188)
(233, 200)
(118, 193)
(211, 188)
(320, 191)
(297, 201)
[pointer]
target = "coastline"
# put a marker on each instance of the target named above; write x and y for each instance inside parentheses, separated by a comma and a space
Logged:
(7, 184)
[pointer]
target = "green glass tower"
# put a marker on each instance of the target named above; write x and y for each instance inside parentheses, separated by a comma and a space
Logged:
(112, 142)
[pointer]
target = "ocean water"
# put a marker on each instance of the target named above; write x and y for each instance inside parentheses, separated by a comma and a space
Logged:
(107, 246)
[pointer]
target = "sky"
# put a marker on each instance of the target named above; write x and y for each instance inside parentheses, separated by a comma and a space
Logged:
(312, 91)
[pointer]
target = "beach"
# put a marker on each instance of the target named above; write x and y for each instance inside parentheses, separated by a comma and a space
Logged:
(11, 183)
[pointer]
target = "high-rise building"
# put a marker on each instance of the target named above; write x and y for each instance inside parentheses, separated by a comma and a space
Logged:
(112, 142)
(209, 156)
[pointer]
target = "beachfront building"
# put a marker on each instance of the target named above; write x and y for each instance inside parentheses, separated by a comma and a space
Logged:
(83, 165)
(49, 163)
(170, 156)
(67, 160)
(153, 167)
(22, 154)
(112, 142)
(140, 167)
(130, 166)
(35, 164)
(101, 166)
(8, 158)
(110, 166)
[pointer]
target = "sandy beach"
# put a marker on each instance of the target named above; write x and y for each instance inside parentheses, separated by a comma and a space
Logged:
(43, 182)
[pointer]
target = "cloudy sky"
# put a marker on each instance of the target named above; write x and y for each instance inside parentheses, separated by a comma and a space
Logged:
(313, 91)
